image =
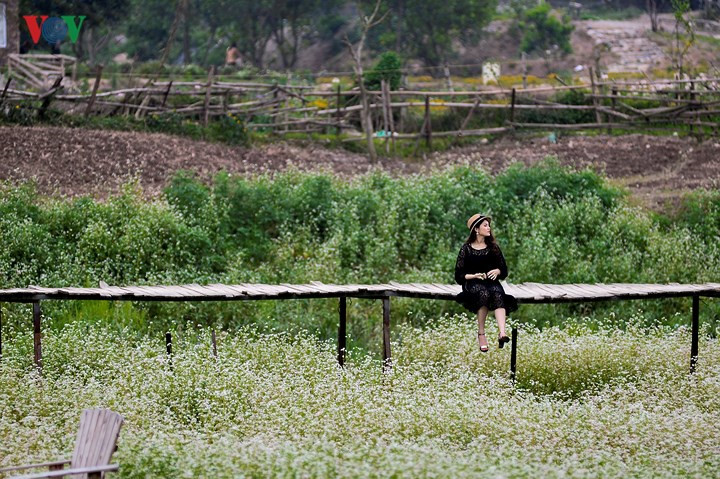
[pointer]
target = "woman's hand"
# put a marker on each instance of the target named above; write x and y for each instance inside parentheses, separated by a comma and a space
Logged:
(476, 276)
(493, 273)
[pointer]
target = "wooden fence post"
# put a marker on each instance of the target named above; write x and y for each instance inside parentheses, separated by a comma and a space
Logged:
(391, 121)
(598, 118)
(614, 104)
(428, 126)
(385, 108)
(0, 331)
(206, 105)
(387, 357)
(337, 106)
(98, 76)
(342, 331)
(37, 335)
(512, 107)
(694, 346)
(4, 94)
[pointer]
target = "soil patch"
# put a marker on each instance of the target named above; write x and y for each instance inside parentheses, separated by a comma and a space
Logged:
(71, 162)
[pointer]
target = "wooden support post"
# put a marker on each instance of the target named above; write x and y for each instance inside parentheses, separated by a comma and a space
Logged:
(428, 126)
(0, 331)
(37, 335)
(98, 76)
(387, 358)
(342, 332)
(168, 347)
(513, 354)
(206, 105)
(512, 107)
(214, 344)
(694, 346)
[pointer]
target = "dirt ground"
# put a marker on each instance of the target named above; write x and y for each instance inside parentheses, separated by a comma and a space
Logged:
(72, 162)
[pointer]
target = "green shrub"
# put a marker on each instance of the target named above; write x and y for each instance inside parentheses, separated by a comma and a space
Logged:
(554, 225)
(541, 31)
(388, 68)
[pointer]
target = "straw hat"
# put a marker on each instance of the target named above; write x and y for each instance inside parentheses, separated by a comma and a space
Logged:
(476, 219)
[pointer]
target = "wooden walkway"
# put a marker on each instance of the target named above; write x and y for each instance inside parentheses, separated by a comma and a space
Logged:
(525, 293)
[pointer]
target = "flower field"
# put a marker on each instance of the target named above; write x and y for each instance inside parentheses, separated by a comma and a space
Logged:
(601, 403)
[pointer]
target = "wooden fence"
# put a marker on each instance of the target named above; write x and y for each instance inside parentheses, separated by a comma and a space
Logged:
(283, 109)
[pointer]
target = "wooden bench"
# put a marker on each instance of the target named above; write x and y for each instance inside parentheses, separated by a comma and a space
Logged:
(96, 442)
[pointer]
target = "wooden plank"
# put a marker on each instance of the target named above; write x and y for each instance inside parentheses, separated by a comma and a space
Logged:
(579, 292)
(228, 291)
(540, 290)
(428, 288)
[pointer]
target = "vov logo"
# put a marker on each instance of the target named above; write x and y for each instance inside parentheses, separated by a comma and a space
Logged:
(54, 29)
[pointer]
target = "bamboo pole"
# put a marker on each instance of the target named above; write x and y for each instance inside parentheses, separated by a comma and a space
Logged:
(167, 92)
(98, 76)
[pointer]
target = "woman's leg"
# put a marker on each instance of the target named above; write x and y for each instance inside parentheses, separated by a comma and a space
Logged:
(481, 315)
(500, 316)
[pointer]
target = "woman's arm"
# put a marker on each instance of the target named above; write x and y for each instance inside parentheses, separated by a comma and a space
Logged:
(502, 266)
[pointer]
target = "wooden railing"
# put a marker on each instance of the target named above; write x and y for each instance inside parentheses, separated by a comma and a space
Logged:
(40, 71)
(282, 109)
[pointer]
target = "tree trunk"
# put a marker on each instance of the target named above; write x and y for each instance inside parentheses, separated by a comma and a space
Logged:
(652, 9)
(186, 35)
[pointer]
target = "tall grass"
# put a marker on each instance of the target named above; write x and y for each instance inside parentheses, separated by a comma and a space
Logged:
(587, 404)
(554, 225)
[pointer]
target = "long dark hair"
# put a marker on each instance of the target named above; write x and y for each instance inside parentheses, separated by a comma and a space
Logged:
(489, 240)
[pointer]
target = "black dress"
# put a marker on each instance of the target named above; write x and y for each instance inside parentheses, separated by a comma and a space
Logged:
(477, 293)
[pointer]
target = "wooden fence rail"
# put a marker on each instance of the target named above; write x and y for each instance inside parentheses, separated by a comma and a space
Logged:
(693, 103)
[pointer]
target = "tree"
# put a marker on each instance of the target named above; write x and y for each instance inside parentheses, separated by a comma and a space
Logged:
(291, 24)
(426, 29)
(654, 7)
(388, 68)
(367, 22)
(681, 11)
(148, 26)
(252, 25)
(712, 9)
(541, 31)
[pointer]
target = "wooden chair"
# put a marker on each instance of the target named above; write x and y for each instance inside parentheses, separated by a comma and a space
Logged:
(96, 442)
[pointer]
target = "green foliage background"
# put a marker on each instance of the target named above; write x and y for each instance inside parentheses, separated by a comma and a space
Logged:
(554, 225)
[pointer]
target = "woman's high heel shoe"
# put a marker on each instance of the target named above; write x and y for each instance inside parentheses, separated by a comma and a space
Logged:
(502, 340)
(483, 348)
